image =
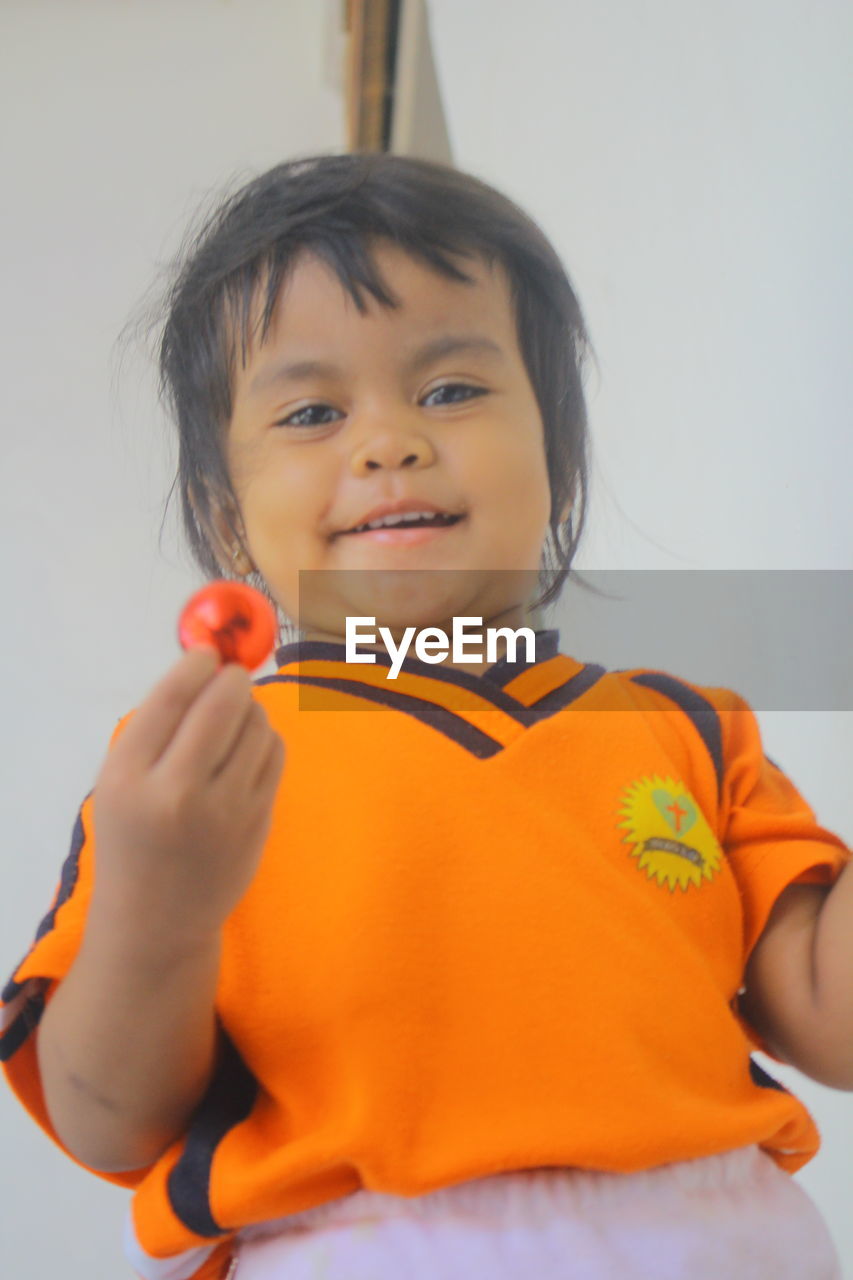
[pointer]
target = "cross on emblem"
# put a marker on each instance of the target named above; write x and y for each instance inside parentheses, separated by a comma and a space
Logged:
(677, 812)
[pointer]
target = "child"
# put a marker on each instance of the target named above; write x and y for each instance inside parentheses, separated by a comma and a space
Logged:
(466, 984)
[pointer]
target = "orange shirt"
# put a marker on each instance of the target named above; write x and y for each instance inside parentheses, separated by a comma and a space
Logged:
(500, 922)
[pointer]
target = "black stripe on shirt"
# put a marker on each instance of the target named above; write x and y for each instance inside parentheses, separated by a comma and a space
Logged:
(67, 882)
(228, 1101)
(698, 710)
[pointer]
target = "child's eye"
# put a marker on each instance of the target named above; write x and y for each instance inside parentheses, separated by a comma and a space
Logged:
(304, 417)
(455, 387)
(293, 419)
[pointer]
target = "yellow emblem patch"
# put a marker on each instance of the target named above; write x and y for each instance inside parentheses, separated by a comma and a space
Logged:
(670, 836)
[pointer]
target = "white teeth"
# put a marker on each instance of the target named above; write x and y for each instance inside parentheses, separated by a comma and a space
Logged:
(398, 518)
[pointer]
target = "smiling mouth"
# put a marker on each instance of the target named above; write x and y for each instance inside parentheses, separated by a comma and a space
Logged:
(406, 532)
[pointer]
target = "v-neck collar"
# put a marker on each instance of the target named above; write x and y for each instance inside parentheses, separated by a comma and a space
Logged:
(483, 713)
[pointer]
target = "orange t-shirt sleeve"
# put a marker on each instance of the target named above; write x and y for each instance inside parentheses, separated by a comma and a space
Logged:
(34, 981)
(771, 836)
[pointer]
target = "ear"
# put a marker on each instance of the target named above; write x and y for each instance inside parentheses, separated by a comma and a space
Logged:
(223, 527)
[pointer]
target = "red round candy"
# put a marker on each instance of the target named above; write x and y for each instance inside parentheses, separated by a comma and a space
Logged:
(233, 617)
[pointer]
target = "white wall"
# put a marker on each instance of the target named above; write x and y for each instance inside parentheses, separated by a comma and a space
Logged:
(117, 117)
(686, 159)
(690, 162)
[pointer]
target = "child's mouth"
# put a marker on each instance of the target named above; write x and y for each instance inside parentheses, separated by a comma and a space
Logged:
(407, 533)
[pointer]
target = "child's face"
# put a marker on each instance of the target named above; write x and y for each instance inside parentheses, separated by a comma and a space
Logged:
(312, 452)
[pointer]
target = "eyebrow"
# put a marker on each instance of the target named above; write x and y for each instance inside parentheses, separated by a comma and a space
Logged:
(446, 345)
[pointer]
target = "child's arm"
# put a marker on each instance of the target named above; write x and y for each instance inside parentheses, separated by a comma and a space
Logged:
(796, 888)
(127, 1045)
(182, 806)
(833, 962)
(799, 981)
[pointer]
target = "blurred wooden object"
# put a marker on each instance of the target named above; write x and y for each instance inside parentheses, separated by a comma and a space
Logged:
(372, 28)
(392, 91)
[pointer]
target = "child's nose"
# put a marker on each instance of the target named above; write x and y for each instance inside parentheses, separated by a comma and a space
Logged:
(391, 450)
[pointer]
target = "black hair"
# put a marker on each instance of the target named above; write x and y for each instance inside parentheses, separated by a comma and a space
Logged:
(337, 207)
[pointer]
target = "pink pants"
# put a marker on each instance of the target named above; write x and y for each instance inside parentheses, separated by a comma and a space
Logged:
(735, 1215)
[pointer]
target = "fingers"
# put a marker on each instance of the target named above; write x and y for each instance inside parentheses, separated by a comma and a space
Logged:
(209, 732)
(156, 720)
(266, 783)
(199, 721)
(247, 753)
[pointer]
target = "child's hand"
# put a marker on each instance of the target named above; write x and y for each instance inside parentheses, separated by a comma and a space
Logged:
(183, 803)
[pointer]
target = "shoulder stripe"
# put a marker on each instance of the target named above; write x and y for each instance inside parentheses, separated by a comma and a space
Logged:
(697, 708)
(67, 881)
(21, 1017)
(569, 692)
(68, 876)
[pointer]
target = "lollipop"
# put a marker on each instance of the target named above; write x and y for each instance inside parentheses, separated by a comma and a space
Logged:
(233, 617)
